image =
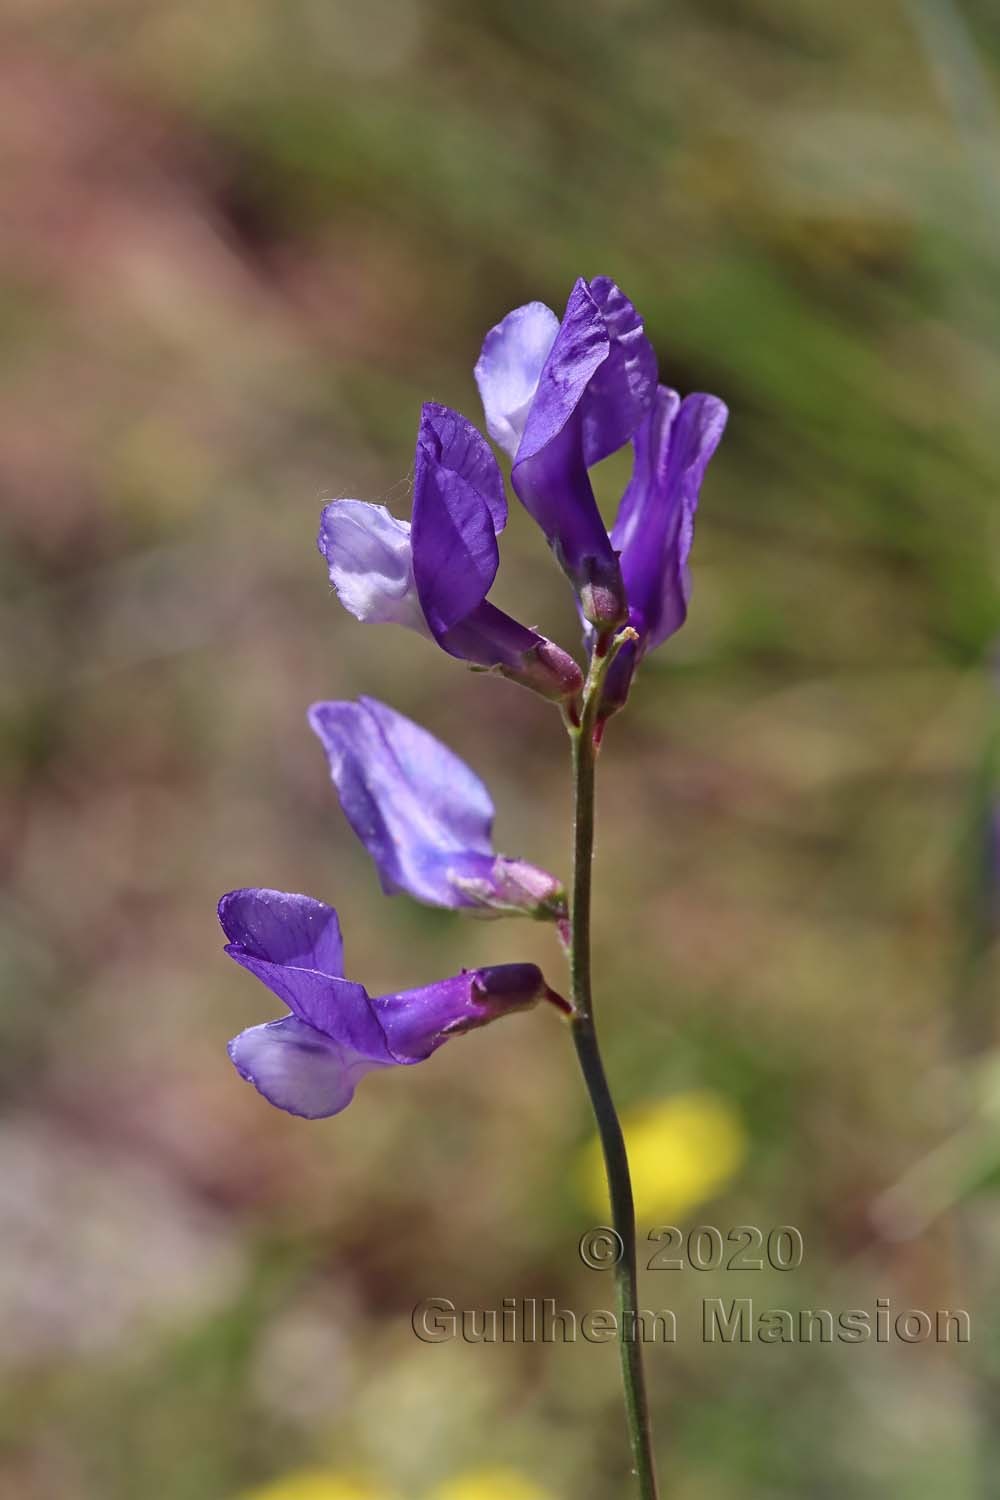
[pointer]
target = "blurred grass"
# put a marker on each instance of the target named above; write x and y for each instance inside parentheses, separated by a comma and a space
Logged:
(246, 242)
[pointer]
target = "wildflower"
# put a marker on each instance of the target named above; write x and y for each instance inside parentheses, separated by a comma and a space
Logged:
(434, 573)
(683, 1150)
(559, 397)
(423, 816)
(318, 1484)
(654, 528)
(490, 1484)
(310, 1062)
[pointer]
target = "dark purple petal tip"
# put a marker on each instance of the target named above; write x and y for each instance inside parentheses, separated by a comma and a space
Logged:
(281, 928)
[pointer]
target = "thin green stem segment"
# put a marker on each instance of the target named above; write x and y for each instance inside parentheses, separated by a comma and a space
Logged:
(588, 1051)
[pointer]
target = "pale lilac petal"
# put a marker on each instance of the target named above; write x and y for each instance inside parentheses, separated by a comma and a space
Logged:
(418, 809)
(298, 1069)
(369, 557)
(508, 370)
(449, 793)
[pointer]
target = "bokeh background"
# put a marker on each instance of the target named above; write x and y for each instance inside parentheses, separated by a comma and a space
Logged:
(241, 244)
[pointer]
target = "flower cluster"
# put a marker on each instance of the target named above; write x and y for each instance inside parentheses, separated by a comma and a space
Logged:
(559, 395)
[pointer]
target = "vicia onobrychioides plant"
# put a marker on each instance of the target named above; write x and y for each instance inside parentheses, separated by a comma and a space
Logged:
(559, 395)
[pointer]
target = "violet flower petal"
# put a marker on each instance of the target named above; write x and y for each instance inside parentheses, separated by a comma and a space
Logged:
(298, 1069)
(292, 944)
(424, 817)
(550, 471)
(284, 929)
(621, 390)
(416, 807)
(458, 509)
(592, 392)
(487, 637)
(309, 1063)
(490, 639)
(454, 443)
(508, 370)
(434, 577)
(654, 529)
(416, 1022)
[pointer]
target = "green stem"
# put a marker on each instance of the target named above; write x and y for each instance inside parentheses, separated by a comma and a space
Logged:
(592, 1067)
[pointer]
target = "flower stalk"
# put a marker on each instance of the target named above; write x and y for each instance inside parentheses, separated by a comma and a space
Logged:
(559, 396)
(584, 741)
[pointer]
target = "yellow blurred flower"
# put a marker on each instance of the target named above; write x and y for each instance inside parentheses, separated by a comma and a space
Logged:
(490, 1484)
(682, 1150)
(317, 1484)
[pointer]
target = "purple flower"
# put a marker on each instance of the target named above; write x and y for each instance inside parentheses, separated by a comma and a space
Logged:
(433, 574)
(654, 528)
(558, 398)
(310, 1062)
(423, 816)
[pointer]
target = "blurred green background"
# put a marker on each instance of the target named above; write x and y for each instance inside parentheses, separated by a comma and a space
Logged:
(242, 243)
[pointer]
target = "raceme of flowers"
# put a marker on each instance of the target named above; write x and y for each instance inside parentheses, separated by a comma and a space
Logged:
(559, 395)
